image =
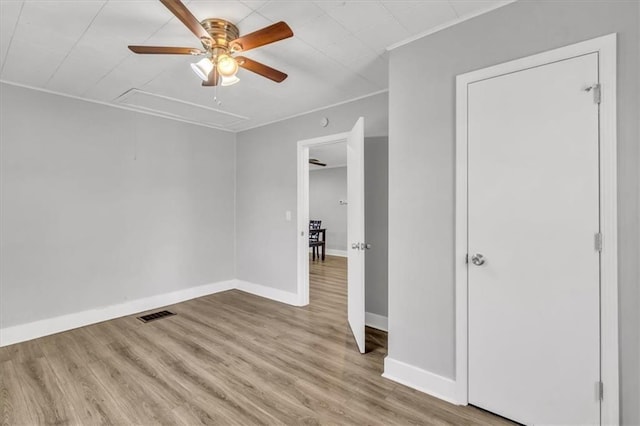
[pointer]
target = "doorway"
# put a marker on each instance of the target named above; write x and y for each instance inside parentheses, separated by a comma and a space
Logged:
(356, 246)
(328, 199)
(536, 284)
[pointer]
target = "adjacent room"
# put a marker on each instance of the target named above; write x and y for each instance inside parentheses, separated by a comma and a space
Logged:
(328, 198)
(380, 212)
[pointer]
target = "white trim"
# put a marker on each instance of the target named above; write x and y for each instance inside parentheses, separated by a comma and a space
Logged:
(449, 24)
(302, 257)
(267, 292)
(121, 100)
(46, 327)
(300, 114)
(238, 129)
(379, 322)
(339, 253)
(606, 47)
(419, 379)
(33, 330)
(118, 106)
(609, 368)
(460, 261)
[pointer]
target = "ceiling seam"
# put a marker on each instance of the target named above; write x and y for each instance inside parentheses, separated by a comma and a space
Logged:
(13, 33)
(113, 105)
(454, 9)
(163, 71)
(257, 12)
(378, 55)
(127, 57)
(75, 44)
(253, 10)
(368, 65)
(311, 111)
(186, 3)
(449, 24)
(395, 18)
(341, 64)
(309, 45)
(195, 123)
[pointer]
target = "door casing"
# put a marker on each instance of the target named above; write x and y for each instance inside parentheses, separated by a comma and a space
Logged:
(303, 208)
(606, 48)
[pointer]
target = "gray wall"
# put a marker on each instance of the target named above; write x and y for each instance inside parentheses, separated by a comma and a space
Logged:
(376, 213)
(267, 187)
(100, 206)
(326, 188)
(422, 174)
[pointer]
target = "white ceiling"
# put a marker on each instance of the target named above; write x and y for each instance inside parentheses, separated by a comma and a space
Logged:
(333, 155)
(338, 52)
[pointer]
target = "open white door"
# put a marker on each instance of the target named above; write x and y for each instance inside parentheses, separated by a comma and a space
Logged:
(355, 232)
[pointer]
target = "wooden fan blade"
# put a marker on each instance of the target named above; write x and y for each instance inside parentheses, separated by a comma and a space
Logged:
(213, 78)
(270, 34)
(165, 50)
(261, 69)
(183, 14)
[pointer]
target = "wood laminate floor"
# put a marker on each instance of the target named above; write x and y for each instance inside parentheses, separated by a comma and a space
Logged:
(229, 358)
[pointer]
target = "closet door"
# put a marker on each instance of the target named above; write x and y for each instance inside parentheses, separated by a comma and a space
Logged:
(533, 214)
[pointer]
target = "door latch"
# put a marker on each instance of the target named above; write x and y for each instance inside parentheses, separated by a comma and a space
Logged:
(361, 246)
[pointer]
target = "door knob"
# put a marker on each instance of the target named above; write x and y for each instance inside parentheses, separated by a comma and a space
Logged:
(477, 259)
(355, 246)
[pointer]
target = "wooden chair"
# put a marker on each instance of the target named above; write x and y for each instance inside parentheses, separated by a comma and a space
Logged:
(314, 238)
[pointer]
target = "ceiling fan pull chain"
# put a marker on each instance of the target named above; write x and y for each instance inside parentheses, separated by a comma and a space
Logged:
(215, 96)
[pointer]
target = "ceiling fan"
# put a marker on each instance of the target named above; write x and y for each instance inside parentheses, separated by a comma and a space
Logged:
(220, 41)
(317, 162)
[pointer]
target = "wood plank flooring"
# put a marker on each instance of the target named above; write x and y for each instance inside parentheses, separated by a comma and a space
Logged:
(230, 358)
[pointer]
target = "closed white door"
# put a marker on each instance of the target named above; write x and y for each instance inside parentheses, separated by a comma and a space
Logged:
(533, 215)
(355, 233)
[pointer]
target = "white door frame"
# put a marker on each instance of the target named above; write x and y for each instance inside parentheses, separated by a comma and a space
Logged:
(609, 374)
(303, 209)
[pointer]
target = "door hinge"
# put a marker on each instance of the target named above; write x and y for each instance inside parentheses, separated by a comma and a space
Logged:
(596, 92)
(600, 391)
(598, 241)
(466, 258)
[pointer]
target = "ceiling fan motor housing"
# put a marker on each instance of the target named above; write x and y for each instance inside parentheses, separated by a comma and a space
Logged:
(222, 32)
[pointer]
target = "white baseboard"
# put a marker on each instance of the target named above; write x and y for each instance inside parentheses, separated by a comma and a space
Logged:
(376, 321)
(268, 292)
(33, 330)
(419, 379)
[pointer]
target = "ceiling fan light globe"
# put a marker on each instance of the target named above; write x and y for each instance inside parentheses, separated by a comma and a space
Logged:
(202, 68)
(229, 81)
(227, 66)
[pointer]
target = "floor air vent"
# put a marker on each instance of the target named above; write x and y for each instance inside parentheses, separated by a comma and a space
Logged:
(156, 315)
